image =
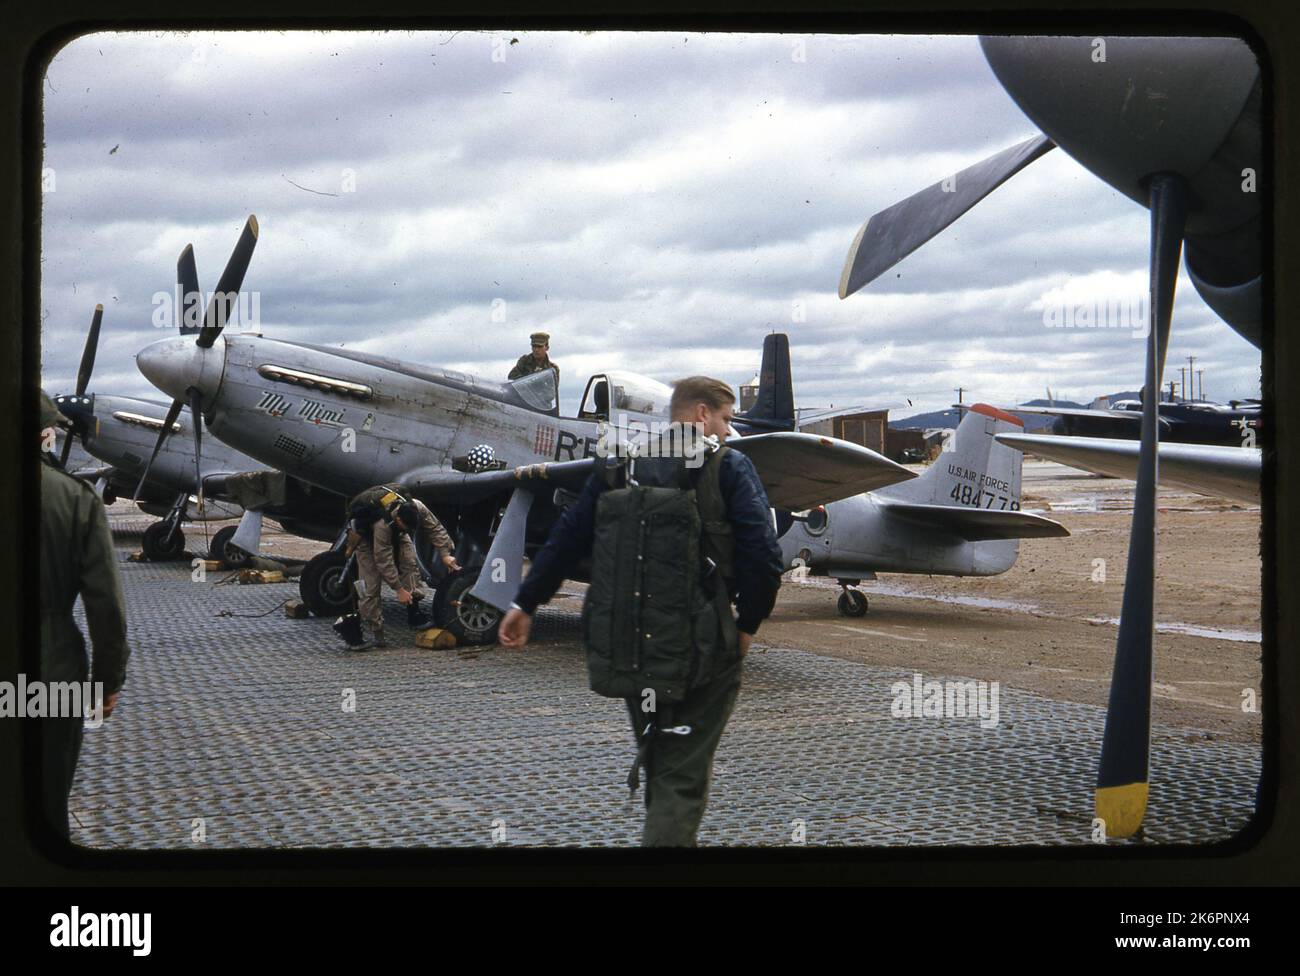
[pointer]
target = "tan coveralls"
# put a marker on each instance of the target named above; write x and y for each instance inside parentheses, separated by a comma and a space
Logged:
(379, 562)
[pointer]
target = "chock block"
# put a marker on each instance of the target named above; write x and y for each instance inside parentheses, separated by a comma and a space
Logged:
(297, 610)
(260, 576)
(435, 638)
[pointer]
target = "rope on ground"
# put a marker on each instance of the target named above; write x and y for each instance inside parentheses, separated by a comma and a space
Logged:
(231, 613)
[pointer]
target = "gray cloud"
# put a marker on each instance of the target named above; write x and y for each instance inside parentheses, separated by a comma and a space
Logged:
(657, 202)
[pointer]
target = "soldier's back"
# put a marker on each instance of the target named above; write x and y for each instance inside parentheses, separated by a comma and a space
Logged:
(65, 518)
(77, 558)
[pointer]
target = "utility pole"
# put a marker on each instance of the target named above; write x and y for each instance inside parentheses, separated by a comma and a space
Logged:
(1201, 375)
(1171, 391)
(959, 391)
(1191, 375)
(1182, 380)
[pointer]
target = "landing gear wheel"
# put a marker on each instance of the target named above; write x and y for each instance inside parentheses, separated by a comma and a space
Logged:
(325, 585)
(853, 603)
(471, 620)
(158, 547)
(221, 549)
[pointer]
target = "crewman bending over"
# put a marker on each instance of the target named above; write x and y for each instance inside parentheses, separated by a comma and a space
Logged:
(382, 529)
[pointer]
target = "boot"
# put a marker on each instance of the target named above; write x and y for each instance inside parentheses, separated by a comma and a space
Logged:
(415, 618)
(377, 638)
(349, 628)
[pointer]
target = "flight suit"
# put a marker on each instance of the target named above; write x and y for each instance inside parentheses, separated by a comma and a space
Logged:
(387, 555)
(527, 365)
(679, 767)
(76, 558)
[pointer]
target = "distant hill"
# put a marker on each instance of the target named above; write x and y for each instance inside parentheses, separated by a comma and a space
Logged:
(952, 417)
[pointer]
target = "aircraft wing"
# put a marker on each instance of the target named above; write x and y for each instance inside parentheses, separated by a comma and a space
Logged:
(802, 470)
(446, 485)
(977, 524)
(1130, 415)
(1231, 472)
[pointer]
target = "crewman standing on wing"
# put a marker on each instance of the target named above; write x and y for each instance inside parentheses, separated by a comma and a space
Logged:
(537, 360)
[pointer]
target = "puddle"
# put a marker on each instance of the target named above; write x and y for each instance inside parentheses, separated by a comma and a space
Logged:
(987, 603)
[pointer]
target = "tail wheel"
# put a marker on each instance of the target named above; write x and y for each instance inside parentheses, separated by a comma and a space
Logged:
(853, 603)
(159, 547)
(221, 549)
(326, 585)
(470, 619)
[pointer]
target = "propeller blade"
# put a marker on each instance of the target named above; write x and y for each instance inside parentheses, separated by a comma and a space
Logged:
(173, 412)
(88, 353)
(67, 448)
(196, 417)
(897, 231)
(187, 276)
(223, 299)
(1123, 775)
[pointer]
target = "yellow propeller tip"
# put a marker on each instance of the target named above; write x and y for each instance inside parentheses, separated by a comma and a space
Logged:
(1121, 808)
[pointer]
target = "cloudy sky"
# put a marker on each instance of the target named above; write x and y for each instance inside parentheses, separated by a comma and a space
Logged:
(656, 202)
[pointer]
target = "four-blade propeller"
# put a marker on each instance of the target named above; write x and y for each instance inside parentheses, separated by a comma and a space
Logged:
(214, 320)
(1185, 140)
(84, 372)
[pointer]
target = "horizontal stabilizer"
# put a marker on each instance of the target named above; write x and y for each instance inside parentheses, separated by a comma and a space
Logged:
(977, 524)
(800, 471)
(1229, 472)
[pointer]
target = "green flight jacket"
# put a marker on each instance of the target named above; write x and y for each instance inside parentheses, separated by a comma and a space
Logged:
(77, 558)
(526, 365)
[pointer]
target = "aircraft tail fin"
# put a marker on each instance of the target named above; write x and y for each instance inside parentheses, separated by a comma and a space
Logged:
(973, 469)
(774, 406)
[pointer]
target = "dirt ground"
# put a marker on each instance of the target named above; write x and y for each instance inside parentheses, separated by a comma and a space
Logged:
(1046, 626)
(1053, 641)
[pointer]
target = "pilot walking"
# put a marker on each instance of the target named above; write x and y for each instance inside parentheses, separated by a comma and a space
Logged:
(537, 360)
(76, 560)
(383, 526)
(738, 530)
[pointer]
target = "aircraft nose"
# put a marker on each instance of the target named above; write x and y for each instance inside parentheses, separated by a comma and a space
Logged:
(80, 411)
(176, 364)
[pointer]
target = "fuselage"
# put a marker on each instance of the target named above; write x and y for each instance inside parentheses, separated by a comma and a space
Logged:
(344, 420)
(857, 536)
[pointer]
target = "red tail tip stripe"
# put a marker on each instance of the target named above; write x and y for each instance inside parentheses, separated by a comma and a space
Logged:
(997, 414)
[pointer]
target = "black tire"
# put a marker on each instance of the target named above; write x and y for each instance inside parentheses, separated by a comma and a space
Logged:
(230, 556)
(853, 603)
(158, 548)
(326, 585)
(471, 620)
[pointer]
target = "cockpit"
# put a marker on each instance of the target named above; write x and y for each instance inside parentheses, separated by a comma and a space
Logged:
(610, 394)
(538, 391)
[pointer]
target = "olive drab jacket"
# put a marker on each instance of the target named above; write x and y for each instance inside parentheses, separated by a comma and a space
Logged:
(526, 365)
(76, 558)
